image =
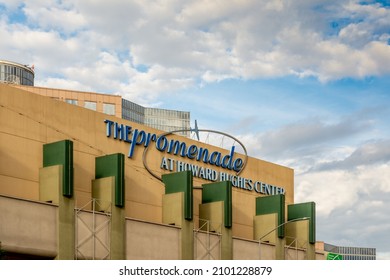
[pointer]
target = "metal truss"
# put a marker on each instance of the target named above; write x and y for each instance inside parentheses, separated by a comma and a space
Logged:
(204, 227)
(296, 245)
(93, 232)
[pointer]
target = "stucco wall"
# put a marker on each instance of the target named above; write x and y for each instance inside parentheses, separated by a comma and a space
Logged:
(148, 241)
(28, 227)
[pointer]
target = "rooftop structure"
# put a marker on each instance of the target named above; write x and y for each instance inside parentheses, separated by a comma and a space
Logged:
(15, 73)
(163, 119)
(115, 105)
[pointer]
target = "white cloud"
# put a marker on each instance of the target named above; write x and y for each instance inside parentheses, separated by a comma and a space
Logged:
(59, 18)
(330, 168)
(336, 189)
(308, 137)
(199, 41)
(354, 34)
(383, 256)
(371, 153)
(330, 190)
(63, 84)
(105, 73)
(12, 4)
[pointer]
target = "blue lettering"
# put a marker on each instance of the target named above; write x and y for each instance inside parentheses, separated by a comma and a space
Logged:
(164, 143)
(234, 181)
(205, 153)
(215, 158)
(195, 170)
(140, 137)
(237, 164)
(108, 127)
(191, 152)
(229, 159)
(127, 133)
(151, 137)
(257, 184)
(265, 188)
(180, 166)
(223, 176)
(202, 173)
(171, 161)
(137, 139)
(214, 176)
(249, 185)
(176, 146)
(208, 174)
(119, 131)
(164, 164)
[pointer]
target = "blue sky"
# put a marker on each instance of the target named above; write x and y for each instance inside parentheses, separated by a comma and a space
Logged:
(301, 83)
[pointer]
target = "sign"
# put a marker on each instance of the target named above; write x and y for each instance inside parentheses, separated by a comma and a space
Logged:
(334, 257)
(141, 138)
(228, 162)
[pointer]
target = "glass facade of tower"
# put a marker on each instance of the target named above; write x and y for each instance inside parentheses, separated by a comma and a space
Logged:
(168, 120)
(132, 111)
(15, 73)
(162, 119)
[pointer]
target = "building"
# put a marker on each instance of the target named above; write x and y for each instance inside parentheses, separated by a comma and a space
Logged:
(168, 120)
(15, 73)
(104, 103)
(351, 253)
(79, 184)
(115, 105)
(163, 119)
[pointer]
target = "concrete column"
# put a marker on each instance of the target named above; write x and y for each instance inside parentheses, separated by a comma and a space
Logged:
(50, 190)
(217, 208)
(263, 224)
(305, 230)
(268, 223)
(178, 209)
(173, 214)
(214, 213)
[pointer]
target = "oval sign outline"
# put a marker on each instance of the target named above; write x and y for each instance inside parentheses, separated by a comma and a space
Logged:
(190, 130)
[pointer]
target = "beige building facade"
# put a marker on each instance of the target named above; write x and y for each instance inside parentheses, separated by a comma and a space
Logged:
(30, 121)
(104, 103)
(115, 105)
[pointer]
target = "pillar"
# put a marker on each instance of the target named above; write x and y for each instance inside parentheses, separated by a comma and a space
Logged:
(109, 188)
(268, 223)
(304, 231)
(56, 186)
(178, 209)
(216, 207)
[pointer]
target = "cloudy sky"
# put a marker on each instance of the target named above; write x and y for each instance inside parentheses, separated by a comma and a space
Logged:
(302, 83)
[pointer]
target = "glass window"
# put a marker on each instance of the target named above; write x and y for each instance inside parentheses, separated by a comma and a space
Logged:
(109, 109)
(90, 105)
(71, 101)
